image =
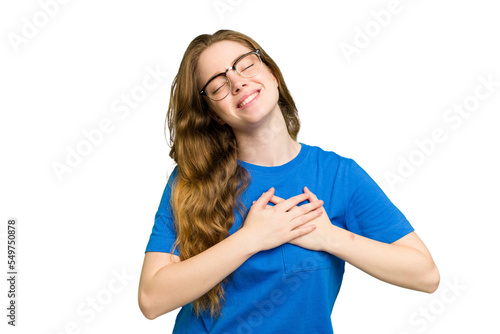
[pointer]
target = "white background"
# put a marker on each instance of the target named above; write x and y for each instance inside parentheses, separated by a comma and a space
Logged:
(78, 231)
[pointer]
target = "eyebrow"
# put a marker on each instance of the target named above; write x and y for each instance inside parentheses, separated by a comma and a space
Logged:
(232, 63)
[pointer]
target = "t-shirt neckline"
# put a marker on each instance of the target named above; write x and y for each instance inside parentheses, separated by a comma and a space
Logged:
(273, 170)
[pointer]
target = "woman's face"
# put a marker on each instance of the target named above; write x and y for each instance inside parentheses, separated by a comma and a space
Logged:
(216, 59)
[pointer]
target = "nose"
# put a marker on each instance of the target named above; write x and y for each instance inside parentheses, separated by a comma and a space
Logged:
(237, 81)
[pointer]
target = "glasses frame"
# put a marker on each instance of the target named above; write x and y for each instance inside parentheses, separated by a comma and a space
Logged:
(256, 52)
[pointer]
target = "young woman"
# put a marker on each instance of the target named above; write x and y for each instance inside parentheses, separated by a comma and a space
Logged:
(254, 228)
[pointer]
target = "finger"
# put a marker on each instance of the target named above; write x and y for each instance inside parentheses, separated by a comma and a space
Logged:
(306, 208)
(267, 206)
(264, 199)
(293, 201)
(298, 232)
(313, 196)
(313, 204)
(276, 200)
(307, 191)
(301, 220)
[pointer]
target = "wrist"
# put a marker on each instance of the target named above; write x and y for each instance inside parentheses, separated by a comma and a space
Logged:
(332, 239)
(246, 243)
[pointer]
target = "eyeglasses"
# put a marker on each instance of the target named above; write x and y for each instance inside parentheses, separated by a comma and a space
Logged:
(247, 66)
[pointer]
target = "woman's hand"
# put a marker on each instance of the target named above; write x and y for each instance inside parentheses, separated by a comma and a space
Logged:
(271, 226)
(315, 240)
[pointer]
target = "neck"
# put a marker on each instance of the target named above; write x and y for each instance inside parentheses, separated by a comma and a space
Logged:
(269, 145)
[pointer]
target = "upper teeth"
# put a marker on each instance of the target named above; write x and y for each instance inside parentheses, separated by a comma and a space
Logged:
(248, 99)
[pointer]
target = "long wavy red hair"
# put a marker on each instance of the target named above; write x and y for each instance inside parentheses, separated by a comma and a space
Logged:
(209, 184)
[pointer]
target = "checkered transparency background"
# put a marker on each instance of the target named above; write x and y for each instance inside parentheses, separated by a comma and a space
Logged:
(409, 89)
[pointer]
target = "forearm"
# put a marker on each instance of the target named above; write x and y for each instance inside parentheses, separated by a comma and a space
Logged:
(396, 264)
(180, 283)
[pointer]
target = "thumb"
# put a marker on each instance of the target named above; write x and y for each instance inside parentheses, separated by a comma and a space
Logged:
(264, 199)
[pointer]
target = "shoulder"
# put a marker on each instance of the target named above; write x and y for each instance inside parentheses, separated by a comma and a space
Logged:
(167, 190)
(173, 175)
(325, 156)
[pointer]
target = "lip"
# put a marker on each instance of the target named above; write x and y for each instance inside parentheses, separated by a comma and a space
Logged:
(247, 95)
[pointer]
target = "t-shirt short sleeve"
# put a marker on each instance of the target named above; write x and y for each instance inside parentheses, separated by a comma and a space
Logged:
(163, 235)
(369, 211)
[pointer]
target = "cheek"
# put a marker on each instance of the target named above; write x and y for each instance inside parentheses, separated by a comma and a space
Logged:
(270, 77)
(221, 108)
(275, 93)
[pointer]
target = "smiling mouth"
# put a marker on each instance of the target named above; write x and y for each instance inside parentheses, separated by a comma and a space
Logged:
(248, 99)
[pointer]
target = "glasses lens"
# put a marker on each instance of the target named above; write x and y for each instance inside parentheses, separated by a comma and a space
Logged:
(249, 65)
(218, 88)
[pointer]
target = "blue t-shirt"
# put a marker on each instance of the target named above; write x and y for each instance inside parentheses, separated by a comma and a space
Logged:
(290, 289)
